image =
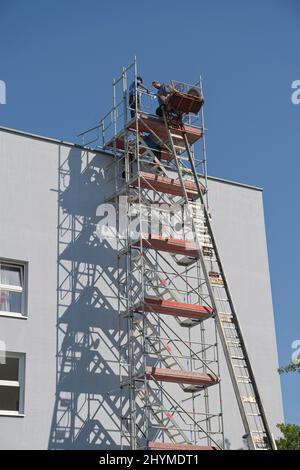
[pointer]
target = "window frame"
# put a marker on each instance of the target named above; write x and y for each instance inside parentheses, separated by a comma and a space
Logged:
(11, 288)
(20, 383)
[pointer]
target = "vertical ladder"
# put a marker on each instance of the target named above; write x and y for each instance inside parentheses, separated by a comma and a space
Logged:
(250, 405)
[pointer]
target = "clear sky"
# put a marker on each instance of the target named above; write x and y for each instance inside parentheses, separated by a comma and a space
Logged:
(58, 58)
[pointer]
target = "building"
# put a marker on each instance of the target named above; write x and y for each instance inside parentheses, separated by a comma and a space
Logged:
(59, 296)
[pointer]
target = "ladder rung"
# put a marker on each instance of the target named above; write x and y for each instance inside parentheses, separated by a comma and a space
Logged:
(177, 136)
(183, 158)
(259, 439)
(225, 317)
(233, 341)
(248, 399)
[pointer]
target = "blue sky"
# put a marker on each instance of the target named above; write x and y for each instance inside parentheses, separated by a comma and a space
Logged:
(58, 58)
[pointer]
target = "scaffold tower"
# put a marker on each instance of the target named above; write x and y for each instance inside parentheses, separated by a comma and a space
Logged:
(175, 307)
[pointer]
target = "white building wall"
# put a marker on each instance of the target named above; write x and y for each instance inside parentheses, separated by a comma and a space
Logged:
(50, 191)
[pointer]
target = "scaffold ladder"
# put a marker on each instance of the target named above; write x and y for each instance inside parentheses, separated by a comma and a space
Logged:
(250, 405)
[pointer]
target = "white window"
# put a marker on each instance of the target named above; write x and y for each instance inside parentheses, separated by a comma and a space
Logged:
(12, 289)
(12, 379)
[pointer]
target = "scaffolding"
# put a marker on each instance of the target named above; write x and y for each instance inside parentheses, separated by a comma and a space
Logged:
(174, 302)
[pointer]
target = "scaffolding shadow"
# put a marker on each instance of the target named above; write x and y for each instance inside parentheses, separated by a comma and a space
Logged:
(86, 407)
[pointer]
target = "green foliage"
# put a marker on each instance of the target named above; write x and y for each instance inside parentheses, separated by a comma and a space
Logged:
(291, 437)
(292, 367)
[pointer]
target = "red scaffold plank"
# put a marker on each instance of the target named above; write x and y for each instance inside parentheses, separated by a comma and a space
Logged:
(153, 445)
(171, 245)
(166, 185)
(177, 309)
(156, 125)
(181, 377)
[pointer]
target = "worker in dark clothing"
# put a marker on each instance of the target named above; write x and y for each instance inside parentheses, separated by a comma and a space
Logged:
(154, 146)
(132, 95)
(162, 94)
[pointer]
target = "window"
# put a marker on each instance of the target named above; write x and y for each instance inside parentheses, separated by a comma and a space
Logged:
(12, 290)
(12, 385)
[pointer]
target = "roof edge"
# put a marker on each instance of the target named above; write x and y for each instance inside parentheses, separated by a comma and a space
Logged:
(235, 183)
(10, 130)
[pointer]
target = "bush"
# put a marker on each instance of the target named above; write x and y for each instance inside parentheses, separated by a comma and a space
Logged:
(291, 437)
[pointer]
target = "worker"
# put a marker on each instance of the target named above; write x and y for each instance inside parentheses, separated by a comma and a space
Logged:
(154, 146)
(132, 95)
(162, 94)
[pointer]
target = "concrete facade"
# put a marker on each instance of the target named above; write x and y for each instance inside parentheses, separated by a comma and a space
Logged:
(50, 191)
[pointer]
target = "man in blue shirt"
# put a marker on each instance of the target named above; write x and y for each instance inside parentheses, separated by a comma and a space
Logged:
(162, 94)
(132, 104)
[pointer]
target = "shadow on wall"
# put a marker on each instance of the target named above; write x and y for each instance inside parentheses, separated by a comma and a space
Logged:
(86, 409)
